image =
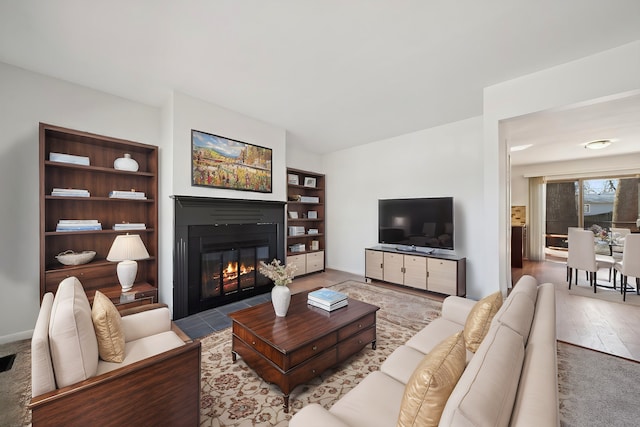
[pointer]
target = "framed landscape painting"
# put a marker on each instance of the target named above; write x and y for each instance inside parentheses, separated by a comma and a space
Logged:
(221, 162)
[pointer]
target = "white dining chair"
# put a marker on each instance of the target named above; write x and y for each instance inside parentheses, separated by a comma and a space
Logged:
(630, 264)
(582, 256)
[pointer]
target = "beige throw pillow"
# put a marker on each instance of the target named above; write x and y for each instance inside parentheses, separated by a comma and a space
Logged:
(108, 326)
(479, 320)
(430, 385)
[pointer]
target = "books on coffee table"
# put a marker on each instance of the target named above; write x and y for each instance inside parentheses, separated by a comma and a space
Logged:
(331, 307)
(327, 299)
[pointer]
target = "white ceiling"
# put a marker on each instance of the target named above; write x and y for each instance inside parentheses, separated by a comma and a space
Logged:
(334, 73)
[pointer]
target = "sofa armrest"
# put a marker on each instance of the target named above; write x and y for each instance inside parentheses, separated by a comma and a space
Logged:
(314, 415)
(457, 309)
(146, 323)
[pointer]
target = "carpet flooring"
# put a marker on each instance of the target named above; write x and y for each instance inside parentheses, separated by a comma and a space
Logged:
(233, 395)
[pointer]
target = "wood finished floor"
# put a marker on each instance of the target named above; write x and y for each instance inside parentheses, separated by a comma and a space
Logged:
(609, 327)
(605, 326)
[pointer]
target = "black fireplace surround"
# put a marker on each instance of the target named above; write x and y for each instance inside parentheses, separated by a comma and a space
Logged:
(218, 245)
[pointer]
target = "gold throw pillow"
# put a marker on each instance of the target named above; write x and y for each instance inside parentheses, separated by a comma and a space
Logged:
(108, 326)
(430, 385)
(479, 320)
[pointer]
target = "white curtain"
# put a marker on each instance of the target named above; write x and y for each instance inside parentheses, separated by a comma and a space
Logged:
(537, 209)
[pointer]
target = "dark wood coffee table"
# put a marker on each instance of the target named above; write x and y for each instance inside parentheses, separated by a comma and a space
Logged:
(289, 351)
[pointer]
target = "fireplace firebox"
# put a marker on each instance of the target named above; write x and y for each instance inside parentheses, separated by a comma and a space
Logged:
(219, 244)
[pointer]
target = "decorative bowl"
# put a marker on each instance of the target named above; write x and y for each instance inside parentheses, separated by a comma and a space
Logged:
(75, 258)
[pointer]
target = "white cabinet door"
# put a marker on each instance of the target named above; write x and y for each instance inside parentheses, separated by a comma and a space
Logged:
(415, 271)
(315, 262)
(442, 276)
(373, 264)
(300, 261)
(393, 268)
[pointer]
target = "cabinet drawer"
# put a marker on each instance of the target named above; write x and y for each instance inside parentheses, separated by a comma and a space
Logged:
(314, 367)
(258, 345)
(91, 277)
(373, 264)
(308, 351)
(356, 326)
(356, 343)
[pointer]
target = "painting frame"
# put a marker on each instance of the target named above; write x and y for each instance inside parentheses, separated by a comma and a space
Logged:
(230, 164)
(310, 182)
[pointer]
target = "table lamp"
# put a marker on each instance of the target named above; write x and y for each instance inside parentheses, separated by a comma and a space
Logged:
(127, 248)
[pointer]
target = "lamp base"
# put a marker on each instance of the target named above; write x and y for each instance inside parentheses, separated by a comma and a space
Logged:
(127, 271)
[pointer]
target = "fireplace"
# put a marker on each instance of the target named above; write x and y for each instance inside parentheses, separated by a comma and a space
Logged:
(218, 246)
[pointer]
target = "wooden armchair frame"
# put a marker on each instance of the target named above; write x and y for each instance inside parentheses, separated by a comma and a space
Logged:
(161, 390)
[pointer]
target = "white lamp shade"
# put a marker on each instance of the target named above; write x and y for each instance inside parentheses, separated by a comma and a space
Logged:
(127, 248)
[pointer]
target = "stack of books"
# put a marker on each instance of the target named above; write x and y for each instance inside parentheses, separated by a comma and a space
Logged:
(129, 226)
(115, 194)
(327, 299)
(296, 230)
(69, 158)
(70, 192)
(78, 225)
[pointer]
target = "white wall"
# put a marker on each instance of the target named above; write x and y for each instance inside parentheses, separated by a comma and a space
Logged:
(609, 73)
(26, 99)
(300, 158)
(441, 161)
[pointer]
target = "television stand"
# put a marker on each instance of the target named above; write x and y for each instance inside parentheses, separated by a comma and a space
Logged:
(433, 272)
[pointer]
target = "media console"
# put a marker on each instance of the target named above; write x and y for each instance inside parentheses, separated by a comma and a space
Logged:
(433, 272)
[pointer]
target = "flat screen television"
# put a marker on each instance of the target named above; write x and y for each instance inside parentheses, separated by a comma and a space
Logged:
(418, 222)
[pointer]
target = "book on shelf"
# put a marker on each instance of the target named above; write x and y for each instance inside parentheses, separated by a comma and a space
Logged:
(70, 192)
(296, 230)
(326, 307)
(309, 199)
(117, 194)
(69, 158)
(77, 221)
(80, 225)
(327, 296)
(130, 226)
(298, 247)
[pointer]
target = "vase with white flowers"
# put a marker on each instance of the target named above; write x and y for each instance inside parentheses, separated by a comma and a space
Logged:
(281, 275)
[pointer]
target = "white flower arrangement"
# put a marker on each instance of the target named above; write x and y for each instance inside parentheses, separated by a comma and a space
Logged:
(280, 274)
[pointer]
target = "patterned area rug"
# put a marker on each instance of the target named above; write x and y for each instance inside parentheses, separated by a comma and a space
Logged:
(233, 395)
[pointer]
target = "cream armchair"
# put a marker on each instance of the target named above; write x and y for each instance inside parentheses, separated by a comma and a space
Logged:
(157, 382)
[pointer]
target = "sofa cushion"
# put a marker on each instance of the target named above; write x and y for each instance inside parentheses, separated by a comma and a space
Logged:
(143, 348)
(42, 378)
(72, 339)
(527, 285)
(108, 326)
(374, 402)
(485, 393)
(479, 320)
(401, 364)
(433, 334)
(517, 314)
(427, 391)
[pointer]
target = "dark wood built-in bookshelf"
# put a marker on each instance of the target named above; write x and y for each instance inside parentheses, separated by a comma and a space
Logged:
(99, 178)
(300, 186)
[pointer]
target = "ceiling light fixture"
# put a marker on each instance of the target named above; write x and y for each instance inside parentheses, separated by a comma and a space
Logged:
(598, 145)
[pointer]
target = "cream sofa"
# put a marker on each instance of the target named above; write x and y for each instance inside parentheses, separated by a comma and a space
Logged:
(510, 380)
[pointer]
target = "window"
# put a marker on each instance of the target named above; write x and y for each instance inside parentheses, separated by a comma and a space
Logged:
(595, 203)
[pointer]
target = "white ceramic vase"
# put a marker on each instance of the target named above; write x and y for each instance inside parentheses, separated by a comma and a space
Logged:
(280, 298)
(126, 163)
